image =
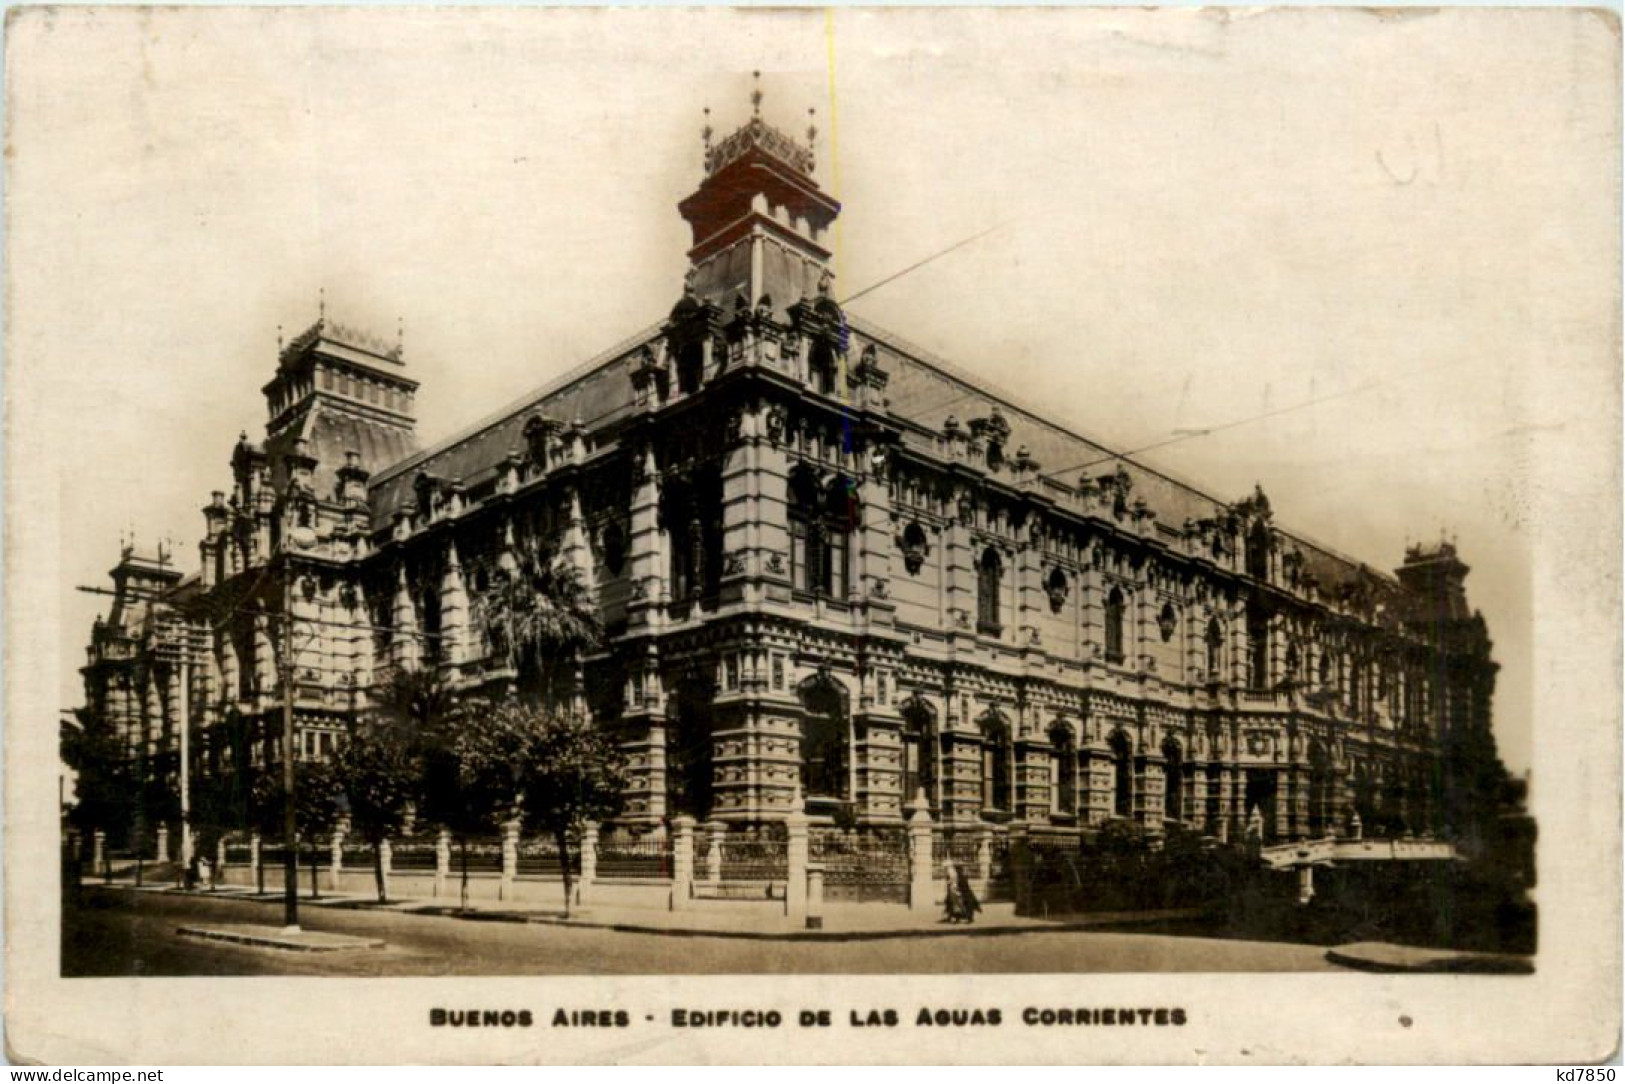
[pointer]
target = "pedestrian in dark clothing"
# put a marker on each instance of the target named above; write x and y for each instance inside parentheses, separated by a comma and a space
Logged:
(962, 903)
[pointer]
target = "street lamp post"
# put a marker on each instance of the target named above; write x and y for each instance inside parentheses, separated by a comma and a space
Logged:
(290, 823)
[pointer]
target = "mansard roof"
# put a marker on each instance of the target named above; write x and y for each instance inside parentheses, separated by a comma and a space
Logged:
(330, 433)
(922, 389)
(592, 393)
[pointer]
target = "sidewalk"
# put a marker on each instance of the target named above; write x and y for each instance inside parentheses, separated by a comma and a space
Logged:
(707, 918)
(1380, 956)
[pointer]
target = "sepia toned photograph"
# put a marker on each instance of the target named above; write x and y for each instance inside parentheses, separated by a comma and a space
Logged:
(760, 514)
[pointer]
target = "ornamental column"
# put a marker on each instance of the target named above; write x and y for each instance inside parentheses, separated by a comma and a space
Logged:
(453, 612)
(404, 652)
(646, 559)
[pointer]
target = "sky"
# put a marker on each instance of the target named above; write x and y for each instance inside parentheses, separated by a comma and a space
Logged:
(1372, 253)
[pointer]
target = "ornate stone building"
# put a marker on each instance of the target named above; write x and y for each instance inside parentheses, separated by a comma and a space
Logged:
(828, 563)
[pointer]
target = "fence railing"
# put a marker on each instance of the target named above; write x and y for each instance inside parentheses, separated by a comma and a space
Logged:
(963, 849)
(414, 855)
(541, 858)
(755, 859)
(484, 855)
(862, 865)
(633, 858)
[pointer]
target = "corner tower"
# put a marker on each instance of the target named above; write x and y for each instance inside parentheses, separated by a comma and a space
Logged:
(760, 222)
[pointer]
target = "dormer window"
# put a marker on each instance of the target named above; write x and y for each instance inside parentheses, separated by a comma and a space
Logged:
(821, 369)
(690, 367)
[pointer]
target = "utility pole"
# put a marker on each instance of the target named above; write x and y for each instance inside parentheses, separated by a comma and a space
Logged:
(290, 822)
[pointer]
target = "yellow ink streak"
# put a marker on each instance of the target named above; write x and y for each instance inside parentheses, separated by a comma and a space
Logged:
(834, 129)
(834, 163)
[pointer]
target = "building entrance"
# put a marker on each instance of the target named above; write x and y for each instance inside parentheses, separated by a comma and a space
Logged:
(1261, 795)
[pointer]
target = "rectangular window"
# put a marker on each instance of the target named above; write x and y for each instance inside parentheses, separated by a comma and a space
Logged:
(730, 672)
(880, 687)
(800, 578)
(1055, 785)
(990, 768)
(835, 564)
(778, 673)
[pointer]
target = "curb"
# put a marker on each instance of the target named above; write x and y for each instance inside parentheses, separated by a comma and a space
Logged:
(402, 907)
(1429, 962)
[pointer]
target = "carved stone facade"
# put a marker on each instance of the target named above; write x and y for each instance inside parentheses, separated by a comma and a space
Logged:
(817, 579)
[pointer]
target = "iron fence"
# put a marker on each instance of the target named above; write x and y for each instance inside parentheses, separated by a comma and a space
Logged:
(862, 866)
(417, 854)
(541, 858)
(484, 854)
(633, 858)
(746, 859)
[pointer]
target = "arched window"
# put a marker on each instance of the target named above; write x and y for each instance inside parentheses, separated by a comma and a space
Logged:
(1173, 785)
(692, 513)
(1215, 649)
(989, 586)
(1122, 775)
(919, 752)
(996, 763)
(824, 738)
(1114, 625)
(1063, 771)
(822, 519)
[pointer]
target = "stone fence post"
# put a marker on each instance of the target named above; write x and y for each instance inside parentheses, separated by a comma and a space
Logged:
(219, 874)
(442, 861)
(815, 895)
(1021, 869)
(589, 861)
(921, 896)
(98, 853)
(795, 885)
(510, 858)
(254, 860)
(984, 855)
(682, 862)
(335, 860)
(163, 843)
(716, 830)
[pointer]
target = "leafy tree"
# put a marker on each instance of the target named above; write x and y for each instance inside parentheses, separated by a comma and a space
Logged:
(468, 782)
(104, 786)
(318, 806)
(540, 617)
(574, 773)
(219, 806)
(379, 770)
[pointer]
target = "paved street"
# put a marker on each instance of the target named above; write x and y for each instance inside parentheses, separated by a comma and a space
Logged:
(124, 933)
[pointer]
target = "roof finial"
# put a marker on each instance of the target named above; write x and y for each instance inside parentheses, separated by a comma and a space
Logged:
(321, 304)
(756, 94)
(400, 334)
(279, 338)
(706, 132)
(812, 127)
